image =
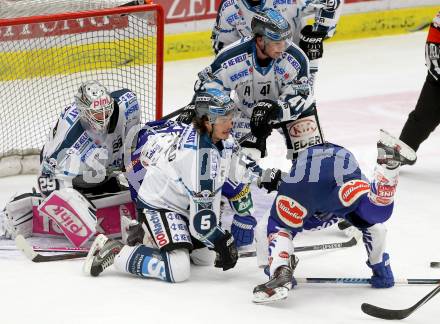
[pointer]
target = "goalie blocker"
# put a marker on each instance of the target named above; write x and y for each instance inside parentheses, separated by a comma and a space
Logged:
(67, 213)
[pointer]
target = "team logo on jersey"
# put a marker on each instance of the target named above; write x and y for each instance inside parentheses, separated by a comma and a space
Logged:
(303, 127)
(352, 190)
(290, 212)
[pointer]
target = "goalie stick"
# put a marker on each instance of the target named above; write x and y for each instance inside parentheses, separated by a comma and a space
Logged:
(397, 314)
(316, 247)
(29, 252)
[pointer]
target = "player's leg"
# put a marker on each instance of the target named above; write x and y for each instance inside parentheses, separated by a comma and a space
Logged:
(425, 117)
(376, 207)
(169, 261)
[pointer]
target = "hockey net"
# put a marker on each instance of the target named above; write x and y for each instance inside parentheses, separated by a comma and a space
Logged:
(45, 57)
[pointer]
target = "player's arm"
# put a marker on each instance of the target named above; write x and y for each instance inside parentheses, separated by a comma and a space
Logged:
(59, 163)
(433, 48)
(327, 14)
(225, 31)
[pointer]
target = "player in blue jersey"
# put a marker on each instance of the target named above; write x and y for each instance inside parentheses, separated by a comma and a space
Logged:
(83, 155)
(327, 178)
(184, 168)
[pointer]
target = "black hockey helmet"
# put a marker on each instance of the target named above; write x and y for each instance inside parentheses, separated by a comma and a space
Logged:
(213, 103)
(271, 24)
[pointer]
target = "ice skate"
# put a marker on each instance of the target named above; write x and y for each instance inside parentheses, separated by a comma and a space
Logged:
(277, 288)
(393, 152)
(101, 255)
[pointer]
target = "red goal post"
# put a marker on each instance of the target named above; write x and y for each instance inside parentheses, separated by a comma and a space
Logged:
(45, 58)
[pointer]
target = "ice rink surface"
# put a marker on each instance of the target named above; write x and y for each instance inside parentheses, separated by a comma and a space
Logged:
(362, 86)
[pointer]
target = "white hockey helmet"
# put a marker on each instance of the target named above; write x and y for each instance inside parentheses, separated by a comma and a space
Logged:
(95, 104)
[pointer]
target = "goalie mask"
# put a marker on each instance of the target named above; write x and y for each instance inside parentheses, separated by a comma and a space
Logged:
(95, 105)
(271, 24)
(214, 104)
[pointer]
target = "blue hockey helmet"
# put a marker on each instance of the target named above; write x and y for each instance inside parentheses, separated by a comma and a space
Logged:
(271, 24)
(213, 103)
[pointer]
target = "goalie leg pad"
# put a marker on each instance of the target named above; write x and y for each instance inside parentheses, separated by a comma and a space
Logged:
(169, 229)
(147, 262)
(17, 216)
(73, 214)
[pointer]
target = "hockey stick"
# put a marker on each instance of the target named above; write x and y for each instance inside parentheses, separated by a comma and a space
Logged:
(37, 248)
(435, 264)
(367, 281)
(316, 247)
(397, 314)
(30, 253)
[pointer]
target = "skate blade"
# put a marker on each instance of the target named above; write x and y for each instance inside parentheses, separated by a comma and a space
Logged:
(262, 297)
(96, 246)
(405, 151)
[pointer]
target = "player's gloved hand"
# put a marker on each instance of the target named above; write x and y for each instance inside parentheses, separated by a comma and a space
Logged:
(135, 233)
(242, 229)
(264, 113)
(311, 42)
(227, 254)
(382, 274)
(326, 4)
(270, 180)
(187, 115)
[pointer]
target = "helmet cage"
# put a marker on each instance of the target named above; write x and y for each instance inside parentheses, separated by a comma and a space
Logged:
(95, 105)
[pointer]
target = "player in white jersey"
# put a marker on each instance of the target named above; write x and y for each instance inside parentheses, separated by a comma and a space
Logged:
(234, 19)
(83, 155)
(268, 76)
(179, 197)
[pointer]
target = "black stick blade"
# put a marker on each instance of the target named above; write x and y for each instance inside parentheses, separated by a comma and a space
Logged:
(388, 314)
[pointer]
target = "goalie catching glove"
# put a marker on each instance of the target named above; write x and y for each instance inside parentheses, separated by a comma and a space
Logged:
(264, 114)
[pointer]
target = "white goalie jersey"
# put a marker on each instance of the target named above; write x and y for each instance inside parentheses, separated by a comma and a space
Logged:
(75, 155)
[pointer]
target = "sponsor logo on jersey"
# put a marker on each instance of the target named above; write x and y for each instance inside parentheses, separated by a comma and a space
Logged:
(157, 227)
(289, 58)
(242, 194)
(80, 141)
(234, 60)
(290, 212)
(352, 190)
(231, 18)
(237, 76)
(303, 127)
(133, 108)
(284, 2)
(67, 220)
(283, 255)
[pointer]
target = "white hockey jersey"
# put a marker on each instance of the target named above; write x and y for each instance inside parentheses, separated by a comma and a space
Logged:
(234, 18)
(77, 156)
(236, 69)
(184, 172)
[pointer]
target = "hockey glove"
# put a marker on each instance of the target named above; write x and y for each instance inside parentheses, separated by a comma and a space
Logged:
(187, 115)
(382, 274)
(311, 42)
(226, 250)
(264, 113)
(242, 229)
(270, 180)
